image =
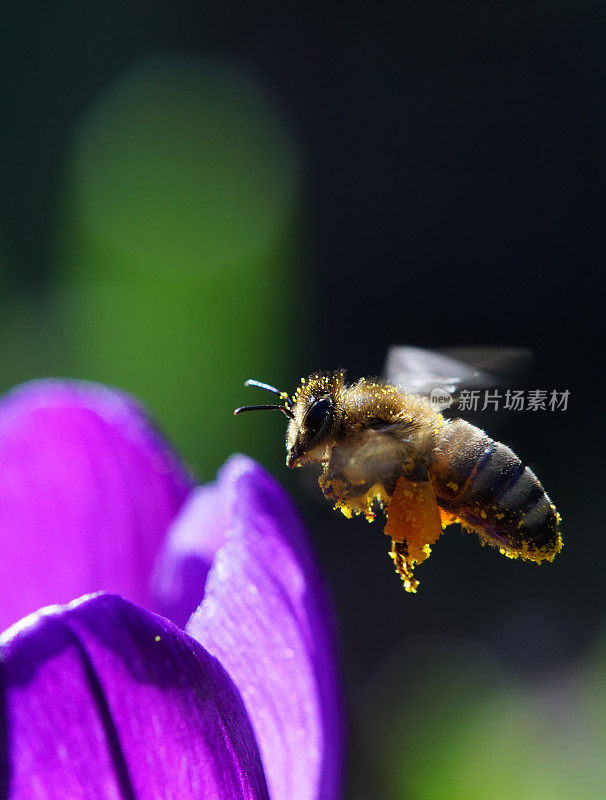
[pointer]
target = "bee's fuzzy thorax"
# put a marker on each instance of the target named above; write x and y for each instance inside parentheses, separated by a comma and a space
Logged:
(374, 399)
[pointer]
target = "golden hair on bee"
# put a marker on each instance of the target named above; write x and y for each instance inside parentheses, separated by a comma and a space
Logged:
(381, 447)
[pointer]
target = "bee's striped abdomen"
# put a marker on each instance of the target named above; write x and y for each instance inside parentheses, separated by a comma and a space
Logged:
(485, 485)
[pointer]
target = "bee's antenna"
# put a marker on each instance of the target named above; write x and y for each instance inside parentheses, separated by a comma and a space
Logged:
(283, 409)
(268, 388)
(261, 385)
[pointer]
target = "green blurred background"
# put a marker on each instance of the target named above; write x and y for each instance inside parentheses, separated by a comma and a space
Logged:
(197, 193)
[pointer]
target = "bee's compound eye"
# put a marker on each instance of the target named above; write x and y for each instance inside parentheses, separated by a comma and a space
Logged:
(317, 413)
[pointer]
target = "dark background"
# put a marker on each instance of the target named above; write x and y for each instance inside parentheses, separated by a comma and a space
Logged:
(453, 161)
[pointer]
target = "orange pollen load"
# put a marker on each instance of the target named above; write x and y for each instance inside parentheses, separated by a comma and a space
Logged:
(413, 523)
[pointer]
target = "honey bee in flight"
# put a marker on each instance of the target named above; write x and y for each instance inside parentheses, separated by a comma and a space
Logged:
(382, 444)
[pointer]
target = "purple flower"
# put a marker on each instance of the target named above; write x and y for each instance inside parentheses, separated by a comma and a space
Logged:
(102, 698)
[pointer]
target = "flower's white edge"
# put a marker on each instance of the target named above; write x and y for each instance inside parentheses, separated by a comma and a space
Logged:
(31, 619)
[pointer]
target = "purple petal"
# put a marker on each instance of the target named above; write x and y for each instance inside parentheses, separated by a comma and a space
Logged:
(105, 700)
(88, 489)
(265, 617)
(190, 547)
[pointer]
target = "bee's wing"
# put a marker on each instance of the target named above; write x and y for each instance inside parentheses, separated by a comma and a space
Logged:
(419, 371)
(495, 364)
(455, 369)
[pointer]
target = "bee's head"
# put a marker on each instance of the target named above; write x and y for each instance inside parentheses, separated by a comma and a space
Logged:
(313, 412)
(316, 415)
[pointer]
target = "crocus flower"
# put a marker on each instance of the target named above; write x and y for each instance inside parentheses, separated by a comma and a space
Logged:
(99, 696)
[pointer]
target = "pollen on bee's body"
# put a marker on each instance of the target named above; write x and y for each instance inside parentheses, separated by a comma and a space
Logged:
(344, 509)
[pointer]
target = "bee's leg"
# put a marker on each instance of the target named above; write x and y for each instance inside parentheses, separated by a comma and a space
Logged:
(413, 523)
(336, 484)
(399, 554)
(415, 471)
(419, 472)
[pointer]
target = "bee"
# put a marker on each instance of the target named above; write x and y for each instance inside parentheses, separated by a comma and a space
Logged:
(383, 445)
